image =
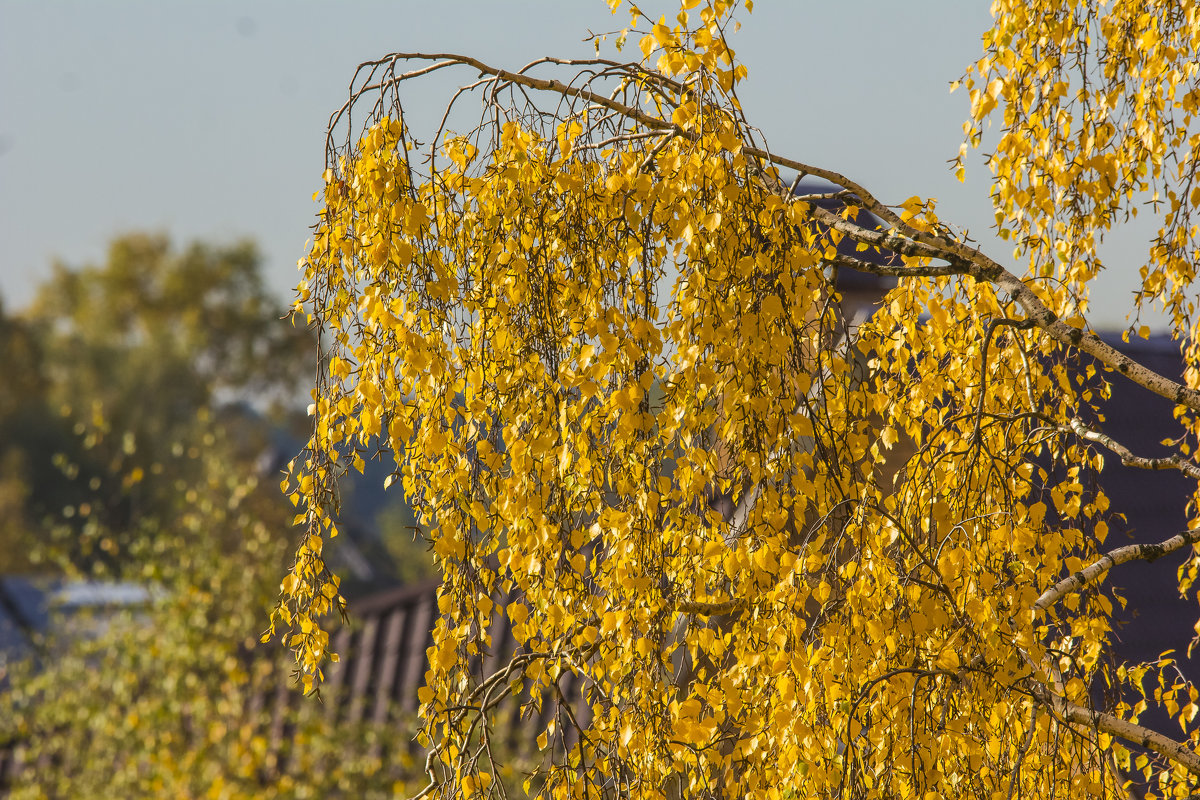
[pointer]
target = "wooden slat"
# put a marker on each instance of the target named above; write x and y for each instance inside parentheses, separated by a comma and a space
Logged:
(385, 681)
(363, 666)
(417, 638)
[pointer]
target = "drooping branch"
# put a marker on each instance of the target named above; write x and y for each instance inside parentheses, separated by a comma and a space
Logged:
(971, 262)
(1085, 341)
(1189, 468)
(1122, 555)
(1176, 752)
(627, 111)
(443, 60)
(1077, 715)
(902, 238)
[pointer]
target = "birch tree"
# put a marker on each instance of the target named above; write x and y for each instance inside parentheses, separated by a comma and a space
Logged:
(580, 322)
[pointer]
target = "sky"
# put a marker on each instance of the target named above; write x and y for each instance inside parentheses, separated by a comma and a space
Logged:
(207, 119)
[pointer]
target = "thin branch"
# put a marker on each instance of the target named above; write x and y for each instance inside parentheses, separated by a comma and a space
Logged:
(1022, 752)
(1128, 459)
(1018, 324)
(1122, 555)
(928, 271)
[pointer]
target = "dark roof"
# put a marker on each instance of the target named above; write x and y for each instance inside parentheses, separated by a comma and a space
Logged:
(851, 280)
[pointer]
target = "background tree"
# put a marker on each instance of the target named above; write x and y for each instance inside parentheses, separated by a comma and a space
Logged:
(22, 416)
(114, 366)
(500, 303)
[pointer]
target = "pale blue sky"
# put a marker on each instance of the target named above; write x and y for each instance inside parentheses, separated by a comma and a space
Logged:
(206, 119)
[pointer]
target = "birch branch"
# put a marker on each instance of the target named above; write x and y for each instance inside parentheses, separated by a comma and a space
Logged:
(1122, 555)
(971, 262)
(1168, 748)
(1126, 455)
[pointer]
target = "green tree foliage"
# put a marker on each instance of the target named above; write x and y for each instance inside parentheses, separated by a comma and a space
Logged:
(174, 698)
(23, 419)
(114, 367)
(194, 323)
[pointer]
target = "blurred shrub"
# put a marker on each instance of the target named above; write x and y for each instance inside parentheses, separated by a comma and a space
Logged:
(176, 698)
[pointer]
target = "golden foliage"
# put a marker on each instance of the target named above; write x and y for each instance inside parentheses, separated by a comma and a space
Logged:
(582, 326)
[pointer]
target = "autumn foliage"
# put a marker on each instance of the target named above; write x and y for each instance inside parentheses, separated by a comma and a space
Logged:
(599, 334)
